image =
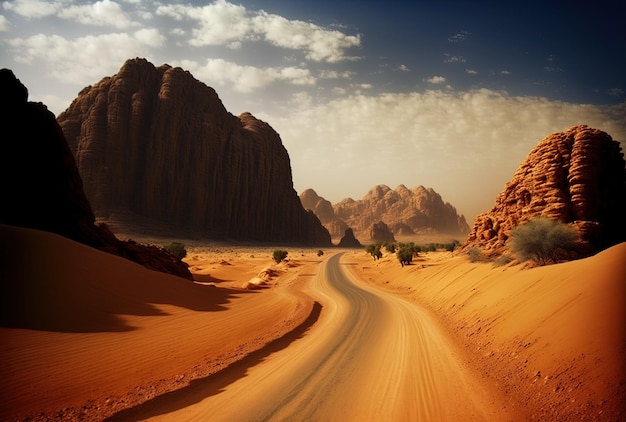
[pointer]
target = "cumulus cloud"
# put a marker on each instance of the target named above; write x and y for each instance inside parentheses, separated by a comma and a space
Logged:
(33, 9)
(245, 78)
(100, 13)
(435, 80)
(86, 59)
(453, 59)
(223, 23)
(4, 24)
(471, 71)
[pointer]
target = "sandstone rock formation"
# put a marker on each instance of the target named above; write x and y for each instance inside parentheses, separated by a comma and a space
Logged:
(405, 211)
(577, 176)
(349, 241)
(156, 145)
(380, 233)
(41, 187)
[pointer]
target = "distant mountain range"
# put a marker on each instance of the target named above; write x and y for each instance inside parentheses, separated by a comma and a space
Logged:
(405, 211)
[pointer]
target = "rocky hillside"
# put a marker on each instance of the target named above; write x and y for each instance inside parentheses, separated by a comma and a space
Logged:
(157, 149)
(577, 176)
(41, 187)
(406, 211)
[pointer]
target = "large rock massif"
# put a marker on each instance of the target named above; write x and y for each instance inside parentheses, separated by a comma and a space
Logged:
(156, 145)
(577, 177)
(405, 211)
(41, 187)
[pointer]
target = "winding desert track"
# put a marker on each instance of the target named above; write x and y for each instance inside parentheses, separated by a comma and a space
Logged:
(370, 356)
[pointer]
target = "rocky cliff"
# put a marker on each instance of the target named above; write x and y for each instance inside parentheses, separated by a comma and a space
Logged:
(41, 187)
(156, 145)
(405, 211)
(577, 176)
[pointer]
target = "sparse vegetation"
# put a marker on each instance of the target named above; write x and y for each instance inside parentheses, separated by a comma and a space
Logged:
(279, 255)
(405, 256)
(542, 240)
(177, 249)
(374, 251)
(390, 247)
(320, 252)
(475, 254)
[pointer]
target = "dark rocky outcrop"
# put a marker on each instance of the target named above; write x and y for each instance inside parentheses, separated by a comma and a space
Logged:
(380, 233)
(41, 187)
(405, 211)
(156, 145)
(349, 241)
(577, 177)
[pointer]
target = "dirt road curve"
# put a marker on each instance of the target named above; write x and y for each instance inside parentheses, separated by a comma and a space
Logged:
(370, 356)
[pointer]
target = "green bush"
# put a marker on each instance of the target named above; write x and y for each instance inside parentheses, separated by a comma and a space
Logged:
(279, 255)
(177, 249)
(405, 255)
(542, 240)
(374, 250)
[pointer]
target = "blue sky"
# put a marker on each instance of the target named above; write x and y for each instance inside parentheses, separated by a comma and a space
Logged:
(449, 95)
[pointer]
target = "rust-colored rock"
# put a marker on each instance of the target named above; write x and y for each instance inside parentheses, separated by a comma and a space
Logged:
(405, 211)
(577, 177)
(157, 150)
(42, 189)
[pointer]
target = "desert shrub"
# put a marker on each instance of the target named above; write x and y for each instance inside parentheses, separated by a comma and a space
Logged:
(542, 240)
(177, 249)
(502, 260)
(475, 254)
(405, 256)
(279, 255)
(390, 247)
(320, 252)
(374, 251)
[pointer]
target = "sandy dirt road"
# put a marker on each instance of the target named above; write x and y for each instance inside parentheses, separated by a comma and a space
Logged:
(370, 356)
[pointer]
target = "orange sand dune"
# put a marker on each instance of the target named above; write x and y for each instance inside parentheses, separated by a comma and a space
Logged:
(553, 337)
(84, 328)
(86, 334)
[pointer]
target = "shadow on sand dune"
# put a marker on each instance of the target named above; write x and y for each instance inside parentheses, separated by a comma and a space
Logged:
(54, 284)
(201, 388)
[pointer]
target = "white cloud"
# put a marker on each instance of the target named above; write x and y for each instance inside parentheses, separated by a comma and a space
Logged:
(505, 72)
(459, 36)
(33, 8)
(223, 23)
(4, 24)
(245, 78)
(453, 59)
(435, 80)
(403, 68)
(100, 13)
(86, 59)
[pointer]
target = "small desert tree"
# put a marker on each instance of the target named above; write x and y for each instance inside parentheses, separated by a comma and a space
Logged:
(279, 255)
(320, 252)
(177, 249)
(374, 250)
(405, 256)
(543, 240)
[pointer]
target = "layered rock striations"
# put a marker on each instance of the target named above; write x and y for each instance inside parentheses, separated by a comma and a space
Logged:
(405, 211)
(155, 144)
(577, 177)
(42, 189)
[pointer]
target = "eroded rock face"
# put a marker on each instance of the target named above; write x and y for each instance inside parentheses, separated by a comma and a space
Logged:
(405, 211)
(577, 176)
(155, 144)
(42, 189)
